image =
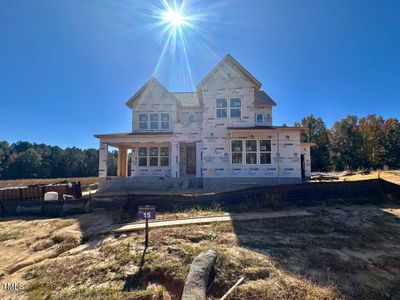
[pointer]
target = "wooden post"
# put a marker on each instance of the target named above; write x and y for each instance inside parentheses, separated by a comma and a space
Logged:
(146, 238)
(145, 213)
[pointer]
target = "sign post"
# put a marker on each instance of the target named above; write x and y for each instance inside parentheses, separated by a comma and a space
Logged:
(147, 212)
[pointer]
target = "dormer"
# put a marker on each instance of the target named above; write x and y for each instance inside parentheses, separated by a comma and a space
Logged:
(263, 108)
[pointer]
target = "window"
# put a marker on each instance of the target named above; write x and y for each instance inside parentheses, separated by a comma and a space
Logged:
(251, 152)
(222, 108)
(254, 152)
(142, 157)
(236, 108)
(259, 118)
(237, 152)
(153, 156)
(164, 121)
(153, 121)
(164, 156)
(265, 152)
(142, 121)
(191, 119)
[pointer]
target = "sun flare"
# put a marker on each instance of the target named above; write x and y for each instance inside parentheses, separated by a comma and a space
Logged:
(174, 17)
(178, 27)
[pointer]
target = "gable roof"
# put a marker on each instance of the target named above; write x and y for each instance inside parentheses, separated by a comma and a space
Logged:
(229, 58)
(187, 99)
(262, 98)
(152, 80)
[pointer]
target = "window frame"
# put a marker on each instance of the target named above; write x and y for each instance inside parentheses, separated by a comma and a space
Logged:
(191, 119)
(237, 152)
(145, 122)
(161, 156)
(262, 118)
(164, 156)
(257, 152)
(265, 151)
(143, 156)
(223, 108)
(152, 156)
(163, 122)
(252, 152)
(228, 108)
(152, 122)
(235, 108)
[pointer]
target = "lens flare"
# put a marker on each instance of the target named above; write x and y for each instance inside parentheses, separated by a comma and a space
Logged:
(177, 25)
(174, 17)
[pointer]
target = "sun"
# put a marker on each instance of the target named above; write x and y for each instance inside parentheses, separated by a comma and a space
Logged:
(174, 18)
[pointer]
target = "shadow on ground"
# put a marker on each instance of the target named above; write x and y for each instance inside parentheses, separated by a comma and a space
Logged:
(355, 248)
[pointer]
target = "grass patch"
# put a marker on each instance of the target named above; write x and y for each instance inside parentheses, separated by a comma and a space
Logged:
(6, 236)
(25, 182)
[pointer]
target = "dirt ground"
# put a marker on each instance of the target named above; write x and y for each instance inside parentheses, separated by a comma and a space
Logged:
(392, 176)
(340, 252)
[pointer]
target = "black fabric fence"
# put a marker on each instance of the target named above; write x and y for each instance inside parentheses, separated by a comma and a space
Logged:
(60, 208)
(373, 190)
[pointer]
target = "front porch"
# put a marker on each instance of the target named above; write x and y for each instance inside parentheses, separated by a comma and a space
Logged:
(155, 158)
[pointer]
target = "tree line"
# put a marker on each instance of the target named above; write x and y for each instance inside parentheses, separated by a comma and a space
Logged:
(352, 143)
(26, 160)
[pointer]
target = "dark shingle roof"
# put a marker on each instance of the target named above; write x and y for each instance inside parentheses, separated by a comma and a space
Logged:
(262, 98)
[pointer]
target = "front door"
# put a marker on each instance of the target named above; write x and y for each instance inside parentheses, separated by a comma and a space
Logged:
(303, 166)
(191, 159)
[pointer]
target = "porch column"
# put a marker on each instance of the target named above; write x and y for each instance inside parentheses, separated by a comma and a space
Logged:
(175, 159)
(199, 167)
(103, 159)
(122, 163)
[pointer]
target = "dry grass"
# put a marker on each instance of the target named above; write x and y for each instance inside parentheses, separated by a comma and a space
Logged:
(25, 182)
(342, 252)
(392, 176)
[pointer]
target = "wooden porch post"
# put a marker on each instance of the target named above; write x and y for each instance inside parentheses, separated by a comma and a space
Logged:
(122, 163)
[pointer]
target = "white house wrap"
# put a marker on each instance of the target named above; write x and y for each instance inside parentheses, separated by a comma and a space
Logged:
(220, 135)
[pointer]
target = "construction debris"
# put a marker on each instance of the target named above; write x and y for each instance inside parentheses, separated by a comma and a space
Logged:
(198, 277)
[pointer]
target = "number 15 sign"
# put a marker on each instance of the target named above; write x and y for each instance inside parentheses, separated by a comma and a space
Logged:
(147, 212)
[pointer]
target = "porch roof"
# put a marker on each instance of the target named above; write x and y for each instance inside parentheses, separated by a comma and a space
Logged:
(308, 144)
(251, 128)
(134, 134)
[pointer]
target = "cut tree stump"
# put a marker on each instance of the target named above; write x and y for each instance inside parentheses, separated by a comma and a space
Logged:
(197, 280)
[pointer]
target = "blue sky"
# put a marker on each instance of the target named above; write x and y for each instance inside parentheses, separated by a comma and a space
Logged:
(68, 67)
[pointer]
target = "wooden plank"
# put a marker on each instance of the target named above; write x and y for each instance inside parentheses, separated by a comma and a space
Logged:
(224, 297)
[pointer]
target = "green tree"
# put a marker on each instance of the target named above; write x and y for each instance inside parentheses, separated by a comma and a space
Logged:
(112, 163)
(92, 162)
(27, 165)
(392, 143)
(318, 134)
(74, 162)
(372, 148)
(345, 143)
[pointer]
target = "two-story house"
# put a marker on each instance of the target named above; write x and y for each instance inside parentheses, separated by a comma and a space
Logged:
(219, 136)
